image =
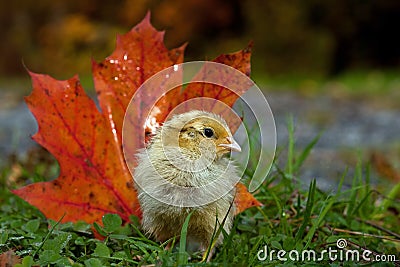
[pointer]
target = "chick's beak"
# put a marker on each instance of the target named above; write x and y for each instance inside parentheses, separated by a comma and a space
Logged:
(232, 144)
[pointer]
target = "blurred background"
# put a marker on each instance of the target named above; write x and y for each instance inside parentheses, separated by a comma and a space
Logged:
(298, 37)
(334, 64)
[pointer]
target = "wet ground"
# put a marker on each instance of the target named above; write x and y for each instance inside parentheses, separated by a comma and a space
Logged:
(352, 129)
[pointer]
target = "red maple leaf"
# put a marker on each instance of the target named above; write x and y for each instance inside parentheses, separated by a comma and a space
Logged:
(94, 178)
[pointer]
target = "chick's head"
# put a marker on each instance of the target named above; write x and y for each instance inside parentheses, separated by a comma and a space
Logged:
(207, 132)
(200, 131)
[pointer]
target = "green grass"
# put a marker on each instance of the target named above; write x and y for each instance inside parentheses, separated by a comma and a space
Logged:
(292, 218)
(358, 83)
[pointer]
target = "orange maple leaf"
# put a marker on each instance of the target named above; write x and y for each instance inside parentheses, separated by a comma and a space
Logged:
(94, 178)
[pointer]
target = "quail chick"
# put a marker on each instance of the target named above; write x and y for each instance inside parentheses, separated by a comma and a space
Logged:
(184, 169)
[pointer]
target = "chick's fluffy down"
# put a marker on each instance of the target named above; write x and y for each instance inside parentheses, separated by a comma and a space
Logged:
(168, 192)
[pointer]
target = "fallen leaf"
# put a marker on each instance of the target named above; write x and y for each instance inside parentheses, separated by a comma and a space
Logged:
(9, 258)
(94, 178)
(139, 54)
(384, 167)
(244, 199)
(215, 93)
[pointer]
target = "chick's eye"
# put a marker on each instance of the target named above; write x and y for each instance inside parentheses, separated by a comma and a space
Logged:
(208, 132)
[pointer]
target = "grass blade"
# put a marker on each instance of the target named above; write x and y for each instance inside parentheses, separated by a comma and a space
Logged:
(308, 211)
(324, 210)
(47, 235)
(305, 153)
(290, 157)
(183, 255)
